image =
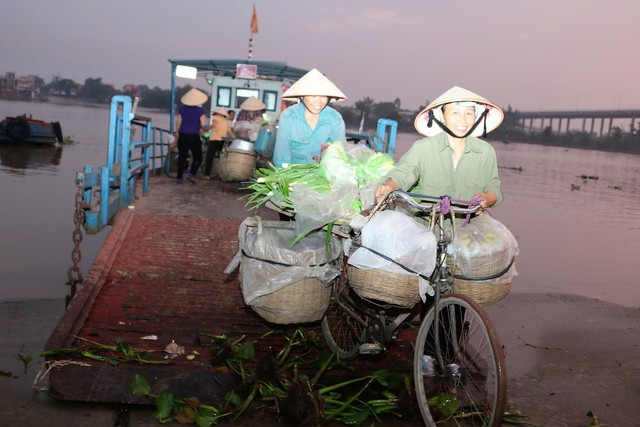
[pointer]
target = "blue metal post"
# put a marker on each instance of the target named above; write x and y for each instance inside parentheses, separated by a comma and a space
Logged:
(381, 132)
(125, 151)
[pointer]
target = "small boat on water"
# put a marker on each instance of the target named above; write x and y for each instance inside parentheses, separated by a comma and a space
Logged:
(23, 129)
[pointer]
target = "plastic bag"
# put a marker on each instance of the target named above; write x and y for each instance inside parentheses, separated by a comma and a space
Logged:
(314, 210)
(483, 248)
(338, 166)
(371, 165)
(268, 263)
(401, 238)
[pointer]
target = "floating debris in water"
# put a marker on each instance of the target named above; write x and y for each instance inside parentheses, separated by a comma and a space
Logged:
(615, 187)
(594, 177)
(575, 187)
(513, 168)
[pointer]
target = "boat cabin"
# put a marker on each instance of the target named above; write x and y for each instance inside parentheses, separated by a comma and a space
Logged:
(232, 81)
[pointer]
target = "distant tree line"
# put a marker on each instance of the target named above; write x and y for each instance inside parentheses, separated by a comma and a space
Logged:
(364, 112)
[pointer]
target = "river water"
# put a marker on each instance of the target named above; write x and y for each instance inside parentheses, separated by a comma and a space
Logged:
(577, 234)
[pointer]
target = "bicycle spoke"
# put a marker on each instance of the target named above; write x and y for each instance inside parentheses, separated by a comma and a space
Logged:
(465, 384)
(343, 328)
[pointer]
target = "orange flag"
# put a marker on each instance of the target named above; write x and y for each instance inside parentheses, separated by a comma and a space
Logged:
(254, 21)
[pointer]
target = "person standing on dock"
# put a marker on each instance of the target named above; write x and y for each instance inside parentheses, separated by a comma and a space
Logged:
(247, 124)
(220, 130)
(191, 121)
(309, 124)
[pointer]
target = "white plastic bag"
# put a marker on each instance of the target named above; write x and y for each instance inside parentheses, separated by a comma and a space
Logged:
(268, 262)
(314, 210)
(401, 238)
(485, 247)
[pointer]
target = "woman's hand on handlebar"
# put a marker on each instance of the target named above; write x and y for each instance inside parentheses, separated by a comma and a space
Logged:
(486, 200)
(383, 190)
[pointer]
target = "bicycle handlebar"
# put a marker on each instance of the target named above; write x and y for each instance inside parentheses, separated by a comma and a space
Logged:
(443, 202)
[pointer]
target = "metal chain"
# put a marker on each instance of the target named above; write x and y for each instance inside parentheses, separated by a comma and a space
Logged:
(74, 274)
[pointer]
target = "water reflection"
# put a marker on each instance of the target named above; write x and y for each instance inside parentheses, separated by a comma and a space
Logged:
(15, 158)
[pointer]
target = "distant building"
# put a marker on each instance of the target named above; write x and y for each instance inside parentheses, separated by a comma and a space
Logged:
(21, 87)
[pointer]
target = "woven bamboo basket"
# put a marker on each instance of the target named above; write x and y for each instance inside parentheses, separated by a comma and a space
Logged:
(236, 165)
(380, 285)
(303, 301)
(487, 264)
(482, 292)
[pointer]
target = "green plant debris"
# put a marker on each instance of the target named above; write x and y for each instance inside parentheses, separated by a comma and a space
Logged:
(595, 422)
(276, 382)
(25, 359)
(121, 352)
(513, 416)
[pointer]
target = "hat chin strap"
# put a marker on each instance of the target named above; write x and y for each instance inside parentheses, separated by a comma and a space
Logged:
(432, 118)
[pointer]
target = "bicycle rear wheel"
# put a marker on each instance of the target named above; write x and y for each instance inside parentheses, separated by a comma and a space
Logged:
(170, 165)
(463, 382)
(343, 326)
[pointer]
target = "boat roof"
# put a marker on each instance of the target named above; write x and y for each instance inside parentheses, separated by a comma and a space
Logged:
(227, 67)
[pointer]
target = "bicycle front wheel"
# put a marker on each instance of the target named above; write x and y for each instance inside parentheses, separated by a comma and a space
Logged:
(343, 326)
(459, 371)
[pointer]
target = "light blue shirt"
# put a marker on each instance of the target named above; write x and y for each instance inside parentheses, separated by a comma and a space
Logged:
(297, 143)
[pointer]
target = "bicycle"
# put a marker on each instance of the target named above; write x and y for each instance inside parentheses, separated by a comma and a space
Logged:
(458, 364)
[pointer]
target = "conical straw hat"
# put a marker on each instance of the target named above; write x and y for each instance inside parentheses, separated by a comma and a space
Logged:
(252, 104)
(457, 94)
(222, 111)
(314, 83)
(194, 97)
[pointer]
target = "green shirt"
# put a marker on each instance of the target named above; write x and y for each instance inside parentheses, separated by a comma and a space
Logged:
(427, 168)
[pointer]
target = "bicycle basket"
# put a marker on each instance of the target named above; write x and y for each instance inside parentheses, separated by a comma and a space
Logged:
(483, 293)
(303, 301)
(380, 285)
(484, 250)
(285, 284)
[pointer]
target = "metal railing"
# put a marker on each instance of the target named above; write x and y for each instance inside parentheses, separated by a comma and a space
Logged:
(112, 187)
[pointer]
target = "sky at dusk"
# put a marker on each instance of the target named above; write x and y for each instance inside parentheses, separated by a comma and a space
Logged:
(530, 55)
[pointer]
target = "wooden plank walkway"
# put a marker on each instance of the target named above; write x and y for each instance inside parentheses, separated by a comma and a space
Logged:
(161, 272)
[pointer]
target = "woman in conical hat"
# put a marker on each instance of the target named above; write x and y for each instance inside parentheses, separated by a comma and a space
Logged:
(309, 124)
(191, 122)
(219, 130)
(194, 97)
(251, 110)
(451, 160)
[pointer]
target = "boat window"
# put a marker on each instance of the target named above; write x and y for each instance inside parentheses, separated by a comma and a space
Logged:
(270, 99)
(223, 98)
(244, 93)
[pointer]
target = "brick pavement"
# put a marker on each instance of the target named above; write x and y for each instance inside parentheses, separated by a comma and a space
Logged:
(160, 273)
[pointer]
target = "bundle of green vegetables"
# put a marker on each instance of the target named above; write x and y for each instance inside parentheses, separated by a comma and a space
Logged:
(337, 169)
(276, 184)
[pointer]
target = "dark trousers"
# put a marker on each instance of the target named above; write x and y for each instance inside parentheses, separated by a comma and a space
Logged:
(213, 150)
(189, 142)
